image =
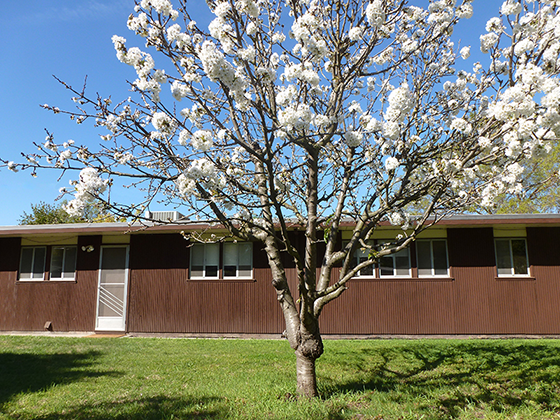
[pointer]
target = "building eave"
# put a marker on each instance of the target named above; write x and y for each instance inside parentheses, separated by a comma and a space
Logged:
(462, 220)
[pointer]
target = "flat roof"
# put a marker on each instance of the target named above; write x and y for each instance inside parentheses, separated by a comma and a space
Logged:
(460, 220)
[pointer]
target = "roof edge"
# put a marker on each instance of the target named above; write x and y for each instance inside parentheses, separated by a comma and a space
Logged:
(128, 228)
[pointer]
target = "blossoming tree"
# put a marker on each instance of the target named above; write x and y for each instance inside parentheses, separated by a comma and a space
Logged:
(311, 112)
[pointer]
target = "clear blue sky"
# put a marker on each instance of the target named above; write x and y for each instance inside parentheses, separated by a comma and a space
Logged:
(72, 39)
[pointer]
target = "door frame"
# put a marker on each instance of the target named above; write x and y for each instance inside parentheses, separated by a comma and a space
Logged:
(119, 323)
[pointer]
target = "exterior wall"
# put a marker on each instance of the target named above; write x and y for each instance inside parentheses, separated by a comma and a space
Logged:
(161, 298)
(173, 303)
(68, 305)
(473, 301)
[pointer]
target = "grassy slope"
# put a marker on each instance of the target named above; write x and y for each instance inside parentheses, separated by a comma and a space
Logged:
(91, 378)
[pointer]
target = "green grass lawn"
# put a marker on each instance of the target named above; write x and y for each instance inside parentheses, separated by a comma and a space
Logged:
(140, 378)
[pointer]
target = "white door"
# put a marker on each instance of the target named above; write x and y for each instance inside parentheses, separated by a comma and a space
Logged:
(112, 289)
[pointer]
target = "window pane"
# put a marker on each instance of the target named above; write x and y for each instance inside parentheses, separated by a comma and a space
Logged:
(197, 260)
(230, 254)
(211, 259)
(366, 271)
(386, 266)
(519, 253)
(424, 254)
(503, 257)
(245, 254)
(245, 268)
(230, 270)
(197, 270)
(70, 262)
(56, 262)
(211, 271)
(26, 263)
(440, 258)
(211, 254)
(403, 268)
(238, 259)
(245, 271)
(197, 255)
(39, 263)
(402, 263)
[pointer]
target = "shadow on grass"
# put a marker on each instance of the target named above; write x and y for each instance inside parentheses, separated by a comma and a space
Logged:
(447, 377)
(150, 408)
(32, 373)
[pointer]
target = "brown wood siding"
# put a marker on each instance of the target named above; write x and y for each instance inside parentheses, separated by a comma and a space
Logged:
(9, 260)
(544, 256)
(173, 303)
(163, 299)
(69, 306)
(473, 301)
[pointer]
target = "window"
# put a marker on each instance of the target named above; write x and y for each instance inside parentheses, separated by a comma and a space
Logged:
(237, 261)
(395, 265)
(361, 256)
(432, 258)
(63, 263)
(32, 263)
(204, 260)
(511, 257)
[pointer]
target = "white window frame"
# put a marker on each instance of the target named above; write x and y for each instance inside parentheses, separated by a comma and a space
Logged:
(206, 261)
(220, 261)
(512, 272)
(394, 256)
(225, 258)
(33, 258)
(361, 255)
(65, 275)
(432, 262)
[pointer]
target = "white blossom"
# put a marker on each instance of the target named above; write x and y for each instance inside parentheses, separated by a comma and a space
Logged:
(488, 41)
(355, 33)
(400, 103)
(525, 45)
(391, 163)
(163, 123)
(511, 7)
(465, 11)
(202, 140)
(89, 186)
(375, 14)
(494, 25)
(353, 138)
(461, 125)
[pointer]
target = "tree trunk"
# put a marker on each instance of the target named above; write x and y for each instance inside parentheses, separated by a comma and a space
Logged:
(306, 377)
(309, 349)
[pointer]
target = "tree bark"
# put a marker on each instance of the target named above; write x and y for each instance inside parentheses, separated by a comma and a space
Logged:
(306, 377)
(309, 349)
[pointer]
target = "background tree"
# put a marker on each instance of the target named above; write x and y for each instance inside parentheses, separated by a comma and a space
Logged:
(307, 113)
(43, 214)
(541, 193)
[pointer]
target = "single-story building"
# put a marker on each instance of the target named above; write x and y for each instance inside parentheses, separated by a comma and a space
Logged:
(469, 274)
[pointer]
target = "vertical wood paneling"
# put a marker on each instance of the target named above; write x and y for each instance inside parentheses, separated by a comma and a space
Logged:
(9, 260)
(471, 257)
(173, 303)
(163, 299)
(544, 257)
(70, 306)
